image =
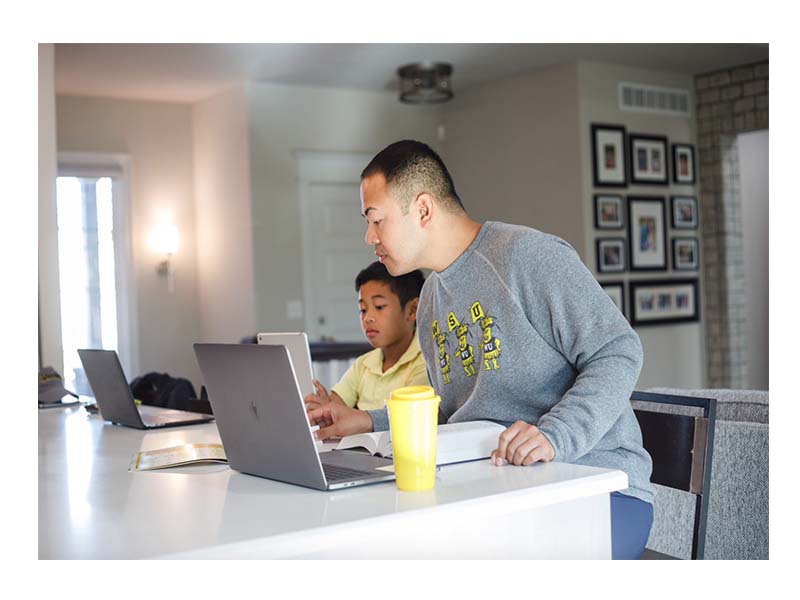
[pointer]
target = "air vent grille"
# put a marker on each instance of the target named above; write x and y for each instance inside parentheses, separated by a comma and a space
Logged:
(638, 97)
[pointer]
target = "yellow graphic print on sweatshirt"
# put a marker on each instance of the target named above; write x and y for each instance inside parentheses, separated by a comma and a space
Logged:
(491, 344)
(465, 352)
(444, 357)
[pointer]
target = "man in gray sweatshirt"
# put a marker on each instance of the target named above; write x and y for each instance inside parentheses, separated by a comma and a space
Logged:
(514, 328)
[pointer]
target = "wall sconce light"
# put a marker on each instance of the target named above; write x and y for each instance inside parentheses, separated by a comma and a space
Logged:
(164, 240)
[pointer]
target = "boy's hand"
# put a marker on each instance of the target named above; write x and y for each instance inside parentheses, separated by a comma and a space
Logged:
(339, 420)
(522, 444)
(321, 397)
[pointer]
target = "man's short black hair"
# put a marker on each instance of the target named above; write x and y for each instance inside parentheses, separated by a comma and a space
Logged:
(411, 168)
(406, 287)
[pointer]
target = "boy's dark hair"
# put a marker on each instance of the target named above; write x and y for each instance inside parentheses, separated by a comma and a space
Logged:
(406, 287)
(412, 168)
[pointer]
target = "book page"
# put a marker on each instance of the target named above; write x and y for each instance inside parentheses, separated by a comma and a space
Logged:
(470, 440)
(177, 455)
(470, 429)
(373, 442)
(328, 445)
(456, 442)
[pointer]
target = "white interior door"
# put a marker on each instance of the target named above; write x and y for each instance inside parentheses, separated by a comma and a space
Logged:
(334, 250)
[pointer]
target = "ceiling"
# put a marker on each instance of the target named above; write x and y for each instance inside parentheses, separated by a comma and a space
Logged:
(191, 72)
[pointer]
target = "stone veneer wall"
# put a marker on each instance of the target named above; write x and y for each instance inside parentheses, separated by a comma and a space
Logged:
(729, 102)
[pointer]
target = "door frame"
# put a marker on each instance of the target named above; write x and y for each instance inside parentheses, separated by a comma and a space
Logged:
(117, 166)
(327, 167)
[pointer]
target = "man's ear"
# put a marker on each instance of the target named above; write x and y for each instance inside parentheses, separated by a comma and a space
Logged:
(411, 309)
(424, 207)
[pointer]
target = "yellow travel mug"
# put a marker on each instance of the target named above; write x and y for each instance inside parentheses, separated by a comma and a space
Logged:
(413, 419)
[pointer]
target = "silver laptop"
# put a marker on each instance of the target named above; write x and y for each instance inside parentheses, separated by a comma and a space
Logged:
(263, 424)
(115, 399)
(299, 353)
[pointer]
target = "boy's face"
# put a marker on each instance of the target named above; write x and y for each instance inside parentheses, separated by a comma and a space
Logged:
(383, 320)
(397, 238)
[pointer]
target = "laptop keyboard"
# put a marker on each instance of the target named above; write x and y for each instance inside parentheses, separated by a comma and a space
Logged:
(172, 417)
(177, 415)
(155, 416)
(335, 473)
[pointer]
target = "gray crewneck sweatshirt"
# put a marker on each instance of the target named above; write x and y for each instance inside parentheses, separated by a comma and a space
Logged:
(517, 328)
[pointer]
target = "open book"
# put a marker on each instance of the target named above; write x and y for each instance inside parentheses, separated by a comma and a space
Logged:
(177, 456)
(455, 442)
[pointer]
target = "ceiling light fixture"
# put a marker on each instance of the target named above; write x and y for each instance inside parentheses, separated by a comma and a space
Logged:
(425, 83)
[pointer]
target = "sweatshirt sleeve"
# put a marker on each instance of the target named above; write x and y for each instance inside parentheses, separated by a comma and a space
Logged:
(576, 317)
(380, 419)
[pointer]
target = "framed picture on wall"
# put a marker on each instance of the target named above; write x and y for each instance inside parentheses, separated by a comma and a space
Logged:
(608, 213)
(648, 159)
(663, 302)
(684, 212)
(608, 155)
(685, 254)
(615, 291)
(683, 163)
(647, 233)
(610, 255)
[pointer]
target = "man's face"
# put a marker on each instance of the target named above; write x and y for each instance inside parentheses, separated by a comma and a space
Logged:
(397, 238)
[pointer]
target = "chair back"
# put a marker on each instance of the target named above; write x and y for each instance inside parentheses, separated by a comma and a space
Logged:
(681, 447)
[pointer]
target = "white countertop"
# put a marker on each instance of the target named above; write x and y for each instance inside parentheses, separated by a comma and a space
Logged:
(91, 506)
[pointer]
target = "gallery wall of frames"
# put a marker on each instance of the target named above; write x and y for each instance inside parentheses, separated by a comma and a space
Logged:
(646, 233)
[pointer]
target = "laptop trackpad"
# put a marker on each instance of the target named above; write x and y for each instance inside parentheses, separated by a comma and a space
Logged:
(353, 459)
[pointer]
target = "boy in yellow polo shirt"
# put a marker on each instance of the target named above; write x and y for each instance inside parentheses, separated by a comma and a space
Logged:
(388, 307)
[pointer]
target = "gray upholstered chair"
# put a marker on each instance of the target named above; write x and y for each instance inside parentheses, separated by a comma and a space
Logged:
(738, 513)
(681, 445)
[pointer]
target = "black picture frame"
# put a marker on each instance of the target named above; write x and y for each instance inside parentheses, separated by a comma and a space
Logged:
(600, 222)
(602, 265)
(678, 262)
(647, 248)
(650, 310)
(620, 285)
(648, 160)
(612, 138)
(677, 212)
(683, 164)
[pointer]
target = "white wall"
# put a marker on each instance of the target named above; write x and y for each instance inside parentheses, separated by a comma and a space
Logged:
(754, 179)
(519, 151)
(512, 149)
(49, 305)
(673, 354)
(158, 139)
(285, 119)
(223, 217)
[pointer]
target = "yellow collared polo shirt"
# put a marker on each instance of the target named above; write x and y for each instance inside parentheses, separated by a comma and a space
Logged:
(365, 386)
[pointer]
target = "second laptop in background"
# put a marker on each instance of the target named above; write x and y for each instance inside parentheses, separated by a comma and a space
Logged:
(115, 399)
